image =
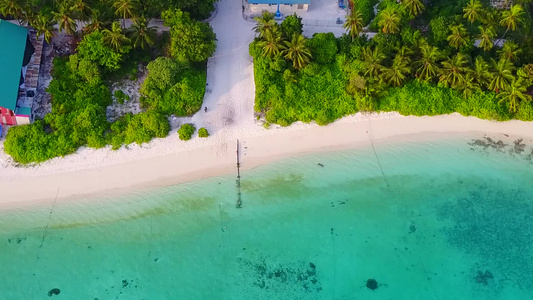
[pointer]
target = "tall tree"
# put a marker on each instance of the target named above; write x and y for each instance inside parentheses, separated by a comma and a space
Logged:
(389, 20)
(473, 11)
(64, 19)
(265, 22)
(95, 22)
(427, 66)
(11, 8)
(114, 38)
(354, 23)
(514, 93)
(510, 51)
(486, 34)
(142, 35)
(458, 37)
(511, 18)
(453, 71)
(502, 75)
(44, 26)
(397, 73)
(469, 86)
(81, 10)
(272, 43)
(414, 7)
(372, 60)
(297, 51)
(125, 9)
(481, 73)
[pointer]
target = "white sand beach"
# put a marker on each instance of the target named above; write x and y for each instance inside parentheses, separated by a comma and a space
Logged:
(230, 116)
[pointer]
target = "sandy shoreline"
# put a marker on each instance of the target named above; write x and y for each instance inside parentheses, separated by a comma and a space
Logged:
(230, 116)
(208, 158)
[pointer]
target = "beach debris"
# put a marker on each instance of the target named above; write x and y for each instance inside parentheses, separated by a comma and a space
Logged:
(320, 165)
(518, 146)
(372, 284)
(125, 283)
(484, 277)
(54, 291)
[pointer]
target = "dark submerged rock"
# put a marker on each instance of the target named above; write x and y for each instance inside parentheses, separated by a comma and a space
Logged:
(372, 284)
(54, 291)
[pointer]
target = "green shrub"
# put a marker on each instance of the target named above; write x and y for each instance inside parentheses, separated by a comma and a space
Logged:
(121, 97)
(203, 133)
(291, 25)
(186, 131)
(323, 47)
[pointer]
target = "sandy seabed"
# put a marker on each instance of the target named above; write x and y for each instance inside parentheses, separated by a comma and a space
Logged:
(230, 117)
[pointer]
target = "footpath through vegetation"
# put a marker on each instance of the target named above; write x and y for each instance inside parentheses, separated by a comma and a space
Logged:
(470, 58)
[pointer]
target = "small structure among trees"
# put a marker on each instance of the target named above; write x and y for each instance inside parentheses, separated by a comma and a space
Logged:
(15, 55)
(286, 7)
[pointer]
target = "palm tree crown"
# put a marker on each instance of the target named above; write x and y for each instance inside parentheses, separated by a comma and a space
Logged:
(459, 37)
(142, 35)
(486, 34)
(64, 19)
(354, 23)
(427, 65)
(502, 76)
(272, 43)
(414, 7)
(296, 50)
(114, 38)
(372, 60)
(265, 23)
(472, 11)
(125, 9)
(511, 17)
(389, 20)
(514, 93)
(453, 71)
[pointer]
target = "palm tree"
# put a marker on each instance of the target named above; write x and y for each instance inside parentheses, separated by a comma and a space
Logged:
(114, 38)
(297, 51)
(511, 18)
(453, 71)
(272, 43)
(510, 51)
(81, 9)
(427, 66)
(389, 20)
(481, 72)
(514, 93)
(11, 8)
(265, 22)
(502, 75)
(125, 9)
(473, 11)
(141, 34)
(64, 19)
(414, 7)
(95, 23)
(486, 34)
(372, 60)
(459, 37)
(491, 18)
(354, 23)
(397, 73)
(44, 26)
(469, 86)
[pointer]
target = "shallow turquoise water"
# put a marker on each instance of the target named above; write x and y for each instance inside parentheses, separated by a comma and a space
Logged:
(437, 220)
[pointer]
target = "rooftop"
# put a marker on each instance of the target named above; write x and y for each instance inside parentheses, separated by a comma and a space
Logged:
(275, 2)
(12, 47)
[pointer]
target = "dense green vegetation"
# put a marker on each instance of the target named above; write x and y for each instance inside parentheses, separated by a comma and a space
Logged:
(186, 131)
(44, 14)
(203, 133)
(80, 92)
(421, 62)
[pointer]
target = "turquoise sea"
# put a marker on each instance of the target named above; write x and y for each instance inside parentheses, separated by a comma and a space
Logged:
(450, 218)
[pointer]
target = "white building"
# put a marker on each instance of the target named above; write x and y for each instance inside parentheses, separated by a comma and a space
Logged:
(286, 7)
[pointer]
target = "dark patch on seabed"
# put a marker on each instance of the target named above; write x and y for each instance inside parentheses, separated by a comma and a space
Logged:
(294, 278)
(517, 148)
(494, 224)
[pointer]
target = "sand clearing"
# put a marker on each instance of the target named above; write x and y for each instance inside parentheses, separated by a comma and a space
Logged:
(229, 100)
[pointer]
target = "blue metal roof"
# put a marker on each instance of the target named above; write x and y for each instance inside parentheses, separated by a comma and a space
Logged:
(275, 2)
(12, 45)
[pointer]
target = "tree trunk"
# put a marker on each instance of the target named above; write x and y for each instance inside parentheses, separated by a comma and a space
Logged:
(496, 44)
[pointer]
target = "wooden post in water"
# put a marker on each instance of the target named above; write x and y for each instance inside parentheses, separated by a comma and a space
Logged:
(238, 181)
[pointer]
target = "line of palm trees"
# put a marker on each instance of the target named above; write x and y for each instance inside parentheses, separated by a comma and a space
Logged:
(389, 20)
(272, 42)
(458, 72)
(66, 13)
